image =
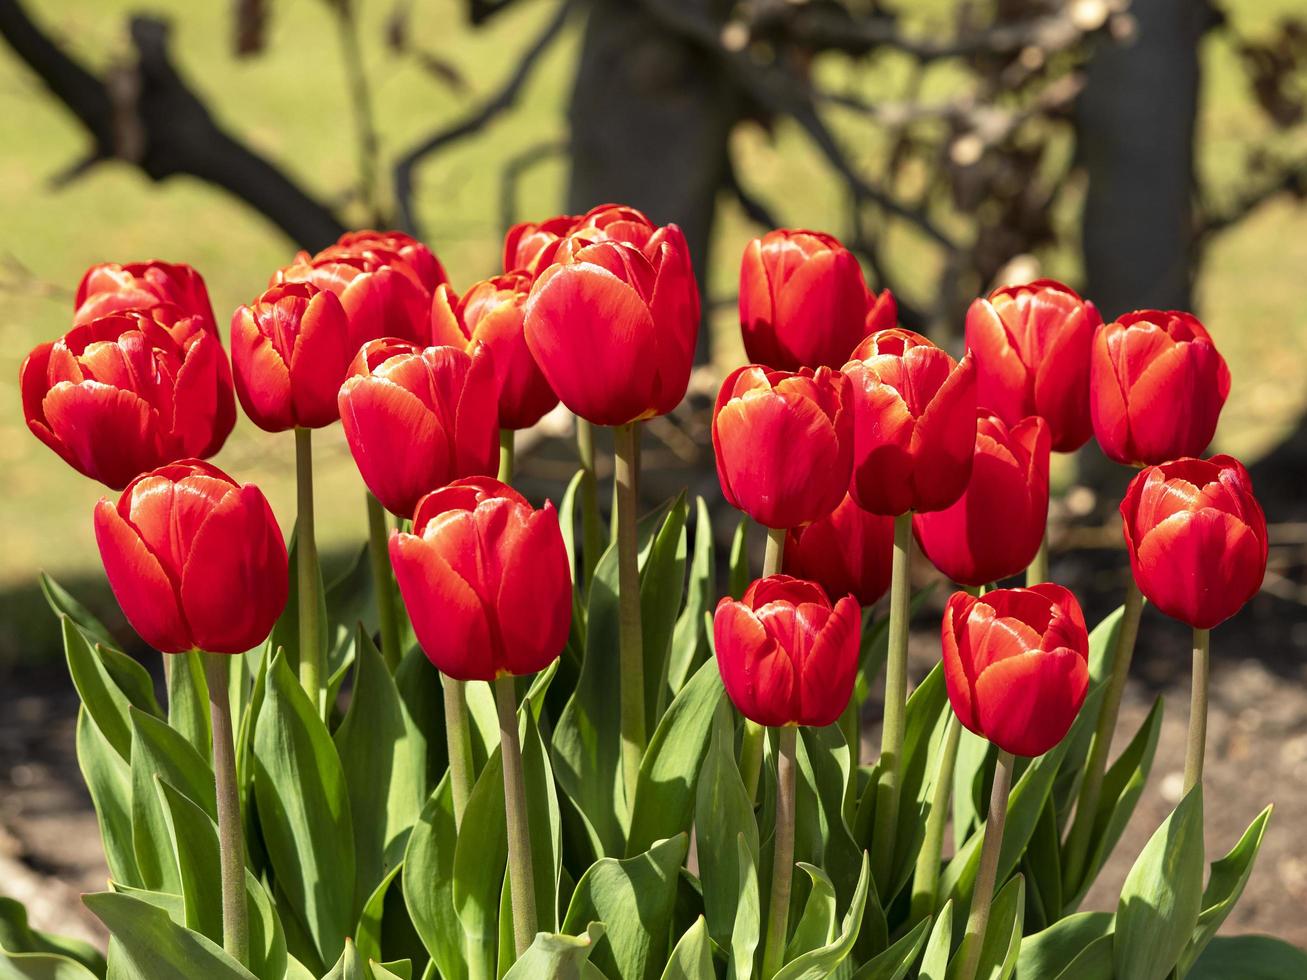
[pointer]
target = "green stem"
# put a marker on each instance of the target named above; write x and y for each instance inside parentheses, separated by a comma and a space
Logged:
(983, 894)
(926, 879)
(1037, 572)
(1091, 784)
(782, 872)
(896, 696)
(591, 530)
(774, 556)
(851, 726)
(521, 875)
(308, 576)
(631, 653)
(506, 449)
(1197, 744)
(231, 834)
(383, 583)
(458, 738)
(751, 744)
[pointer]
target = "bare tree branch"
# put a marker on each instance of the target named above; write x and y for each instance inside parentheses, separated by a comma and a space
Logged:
(757, 211)
(515, 169)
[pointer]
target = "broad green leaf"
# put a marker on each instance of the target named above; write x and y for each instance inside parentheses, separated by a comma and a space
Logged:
(1094, 962)
(423, 700)
(1250, 958)
(747, 929)
(634, 898)
(367, 934)
(295, 970)
(818, 964)
(723, 811)
(665, 794)
(662, 583)
(934, 964)
(480, 856)
(64, 604)
(816, 927)
(1048, 952)
(350, 966)
(17, 937)
(1041, 866)
(567, 519)
(41, 966)
(286, 632)
(692, 957)
(351, 603)
(738, 576)
(821, 835)
(153, 947)
(101, 696)
(690, 639)
(428, 883)
(188, 701)
(109, 781)
(974, 763)
(552, 956)
(1002, 942)
(925, 715)
(1162, 896)
(394, 970)
(304, 813)
(894, 963)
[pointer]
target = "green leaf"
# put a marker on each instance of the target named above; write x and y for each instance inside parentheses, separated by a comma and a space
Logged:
(104, 700)
(1094, 962)
(634, 898)
(894, 963)
(286, 632)
(692, 957)
(665, 794)
(1048, 952)
(1250, 958)
(998, 952)
(816, 927)
(1162, 895)
(350, 966)
(934, 964)
(394, 970)
(821, 835)
(925, 715)
(109, 781)
(423, 702)
(690, 638)
(480, 856)
(738, 577)
(64, 604)
(17, 938)
(1042, 867)
(367, 934)
(974, 762)
(188, 700)
(304, 813)
(428, 883)
(41, 966)
(154, 947)
(552, 955)
(821, 963)
(1224, 886)
(747, 929)
(567, 519)
(662, 583)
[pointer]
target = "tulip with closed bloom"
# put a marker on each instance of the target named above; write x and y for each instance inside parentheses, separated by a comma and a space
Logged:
(113, 288)
(847, 552)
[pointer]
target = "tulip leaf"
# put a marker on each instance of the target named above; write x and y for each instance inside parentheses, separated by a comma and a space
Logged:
(350, 603)
(925, 716)
(738, 575)
(428, 883)
(669, 772)
(934, 963)
(747, 928)
(1048, 952)
(350, 966)
(1249, 958)
(109, 781)
(974, 765)
(153, 947)
(662, 583)
(821, 835)
(1002, 942)
(567, 520)
(304, 813)
(690, 638)
(41, 966)
(894, 963)
(393, 970)
(480, 857)
(1224, 886)
(1041, 866)
(19, 939)
(556, 955)
(367, 934)
(422, 700)
(64, 604)
(635, 899)
(816, 926)
(1094, 962)
(188, 700)
(691, 959)
(105, 701)
(1162, 896)
(821, 963)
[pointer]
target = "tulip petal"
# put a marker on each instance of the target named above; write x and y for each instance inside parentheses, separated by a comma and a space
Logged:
(827, 673)
(758, 675)
(534, 603)
(319, 361)
(448, 616)
(262, 378)
(397, 443)
(204, 408)
(821, 311)
(1027, 703)
(1186, 374)
(944, 440)
(106, 433)
(1002, 381)
(148, 598)
(1200, 567)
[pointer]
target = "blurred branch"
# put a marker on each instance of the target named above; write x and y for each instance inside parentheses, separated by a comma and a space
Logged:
(515, 169)
(147, 115)
(476, 120)
(754, 208)
(1291, 179)
(365, 125)
(481, 11)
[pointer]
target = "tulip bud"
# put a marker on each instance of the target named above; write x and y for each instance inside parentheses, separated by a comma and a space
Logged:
(416, 419)
(914, 423)
(1196, 537)
(397, 249)
(787, 657)
(848, 552)
(112, 288)
(804, 302)
(195, 560)
(1032, 344)
(1158, 384)
(1016, 665)
(485, 579)
(128, 392)
(614, 329)
(783, 443)
(491, 313)
(525, 242)
(290, 351)
(996, 527)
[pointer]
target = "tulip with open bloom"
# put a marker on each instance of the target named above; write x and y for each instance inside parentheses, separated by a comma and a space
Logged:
(847, 552)
(130, 391)
(525, 241)
(112, 288)
(1157, 385)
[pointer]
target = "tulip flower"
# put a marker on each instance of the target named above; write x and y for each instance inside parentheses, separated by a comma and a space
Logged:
(783, 443)
(128, 392)
(112, 288)
(486, 581)
(914, 423)
(491, 313)
(397, 249)
(995, 528)
(804, 302)
(1032, 344)
(416, 419)
(524, 242)
(847, 552)
(1196, 537)
(195, 560)
(290, 351)
(1158, 384)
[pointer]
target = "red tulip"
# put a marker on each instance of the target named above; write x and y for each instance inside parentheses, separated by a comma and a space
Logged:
(111, 288)
(524, 242)
(290, 350)
(783, 443)
(1016, 664)
(1032, 344)
(416, 419)
(491, 312)
(1158, 384)
(995, 528)
(128, 392)
(914, 423)
(195, 560)
(847, 552)
(397, 249)
(485, 579)
(786, 655)
(614, 329)
(1197, 538)
(804, 303)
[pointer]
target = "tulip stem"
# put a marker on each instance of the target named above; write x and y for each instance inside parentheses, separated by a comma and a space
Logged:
(591, 530)
(458, 737)
(1091, 784)
(774, 556)
(896, 696)
(982, 895)
(308, 575)
(1037, 571)
(1197, 745)
(383, 583)
(231, 833)
(521, 875)
(926, 879)
(751, 743)
(506, 449)
(782, 869)
(631, 657)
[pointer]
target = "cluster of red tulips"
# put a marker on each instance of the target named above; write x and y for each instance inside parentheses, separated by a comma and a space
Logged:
(846, 437)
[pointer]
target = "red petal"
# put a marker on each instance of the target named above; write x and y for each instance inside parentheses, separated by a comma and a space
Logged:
(447, 615)
(142, 588)
(1027, 703)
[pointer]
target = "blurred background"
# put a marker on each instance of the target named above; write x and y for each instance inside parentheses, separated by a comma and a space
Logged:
(1152, 153)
